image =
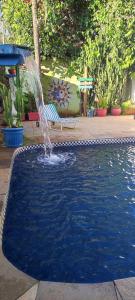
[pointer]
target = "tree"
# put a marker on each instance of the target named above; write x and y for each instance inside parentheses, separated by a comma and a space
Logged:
(18, 21)
(81, 32)
(62, 25)
(36, 33)
(109, 51)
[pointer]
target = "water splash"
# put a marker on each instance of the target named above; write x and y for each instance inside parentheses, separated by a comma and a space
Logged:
(67, 158)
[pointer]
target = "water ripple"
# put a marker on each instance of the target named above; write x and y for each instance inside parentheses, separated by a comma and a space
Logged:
(71, 218)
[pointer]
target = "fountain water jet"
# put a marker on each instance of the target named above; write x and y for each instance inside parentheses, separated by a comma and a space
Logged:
(31, 66)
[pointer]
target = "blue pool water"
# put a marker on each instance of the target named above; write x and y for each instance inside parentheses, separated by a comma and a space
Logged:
(73, 221)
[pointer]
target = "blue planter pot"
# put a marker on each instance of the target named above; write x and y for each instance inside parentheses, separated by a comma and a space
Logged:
(91, 113)
(13, 137)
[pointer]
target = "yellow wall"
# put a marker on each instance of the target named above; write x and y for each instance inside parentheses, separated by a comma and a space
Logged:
(57, 87)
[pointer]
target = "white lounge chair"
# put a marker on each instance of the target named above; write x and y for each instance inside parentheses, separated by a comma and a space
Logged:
(53, 117)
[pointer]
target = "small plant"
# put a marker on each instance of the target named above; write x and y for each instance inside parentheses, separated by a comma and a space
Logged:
(126, 104)
(12, 70)
(91, 100)
(31, 103)
(128, 107)
(9, 118)
(7, 105)
(19, 105)
(102, 103)
(115, 104)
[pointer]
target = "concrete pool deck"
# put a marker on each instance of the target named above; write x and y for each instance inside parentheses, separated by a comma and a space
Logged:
(14, 284)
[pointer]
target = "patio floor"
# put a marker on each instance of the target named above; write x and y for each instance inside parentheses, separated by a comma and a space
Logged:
(87, 128)
(17, 285)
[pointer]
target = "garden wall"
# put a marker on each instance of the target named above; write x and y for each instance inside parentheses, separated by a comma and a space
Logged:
(60, 89)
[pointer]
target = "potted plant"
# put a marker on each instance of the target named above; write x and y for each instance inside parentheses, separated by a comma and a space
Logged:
(33, 116)
(32, 113)
(12, 70)
(101, 93)
(13, 132)
(101, 110)
(128, 107)
(91, 112)
(106, 65)
(116, 110)
(91, 109)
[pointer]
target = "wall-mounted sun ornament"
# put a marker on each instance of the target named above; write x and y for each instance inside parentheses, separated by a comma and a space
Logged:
(59, 92)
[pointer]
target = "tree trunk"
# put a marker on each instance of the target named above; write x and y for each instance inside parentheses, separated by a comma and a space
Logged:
(36, 34)
(85, 100)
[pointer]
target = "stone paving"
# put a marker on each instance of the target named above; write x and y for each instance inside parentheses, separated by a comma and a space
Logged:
(88, 128)
(14, 284)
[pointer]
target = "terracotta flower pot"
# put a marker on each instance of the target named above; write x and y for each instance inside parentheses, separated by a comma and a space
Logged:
(12, 71)
(101, 112)
(116, 111)
(33, 116)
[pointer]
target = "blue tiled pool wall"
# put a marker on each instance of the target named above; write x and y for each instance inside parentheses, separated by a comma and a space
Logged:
(106, 141)
(91, 142)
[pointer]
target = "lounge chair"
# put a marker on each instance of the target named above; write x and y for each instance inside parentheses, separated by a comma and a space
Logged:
(53, 117)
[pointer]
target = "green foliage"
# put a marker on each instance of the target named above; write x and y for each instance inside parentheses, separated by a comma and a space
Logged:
(65, 27)
(126, 104)
(19, 105)
(102, 103)
(30, 104)
(96, 33)
(5, 92)
(128, 107)
(110, 51)
(62, 25)
(133, 75)
(18, 21)
(7, 104)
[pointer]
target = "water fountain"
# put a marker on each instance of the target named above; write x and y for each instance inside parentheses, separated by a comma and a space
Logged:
(14, 55)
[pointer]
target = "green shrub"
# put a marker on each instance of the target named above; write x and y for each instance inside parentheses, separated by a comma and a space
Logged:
(126, 104)
(128, 107)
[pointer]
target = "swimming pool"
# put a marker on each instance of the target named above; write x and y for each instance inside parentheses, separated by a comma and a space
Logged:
(73, 221)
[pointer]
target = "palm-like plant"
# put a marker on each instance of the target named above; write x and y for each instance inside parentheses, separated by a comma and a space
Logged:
(7, 104)
(10, 119)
